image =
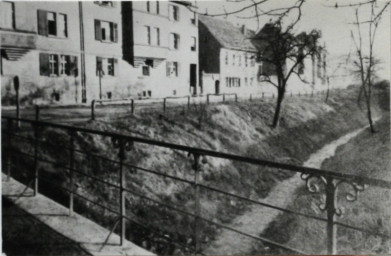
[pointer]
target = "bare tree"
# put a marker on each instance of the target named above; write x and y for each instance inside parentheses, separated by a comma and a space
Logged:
(364, 62)
(282, 54)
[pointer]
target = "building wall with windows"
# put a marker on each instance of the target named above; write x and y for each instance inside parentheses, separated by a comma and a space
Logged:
(48, 68)
(164, 48)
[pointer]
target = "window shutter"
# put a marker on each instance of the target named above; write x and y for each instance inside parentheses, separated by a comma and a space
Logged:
(56, 66)
(42, 23)
(115, 32)
(44, 64)
(73, 66)
(115, 67)
(98, 33)
(168, 68)
(68, 65)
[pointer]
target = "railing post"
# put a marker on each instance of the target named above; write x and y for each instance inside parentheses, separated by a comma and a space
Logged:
(236, 97)
(37, 113)
(251, 98)
(36, 174)
(207, 99)
(164, 105)
(8, 154)
(188, 102)
(331, 210)
(93, 110)
(223, 97)
(132, 106)
(197, 202)
(121, 156)
(71, 166)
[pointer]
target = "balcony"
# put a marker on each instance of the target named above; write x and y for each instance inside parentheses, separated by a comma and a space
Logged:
(17, 43)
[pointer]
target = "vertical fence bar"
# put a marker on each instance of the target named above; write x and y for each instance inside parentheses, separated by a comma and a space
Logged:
(132, 106)
(71, 166)
(331, 209)
(263, 95)
(188, 102)
(37, 110)
(223, 97)
(164, 104)
(36, 174)
(8, 154)
(93, 110)
(251, 97)
(121, 156)
(236, 97)
(197, 202)
(207, 99)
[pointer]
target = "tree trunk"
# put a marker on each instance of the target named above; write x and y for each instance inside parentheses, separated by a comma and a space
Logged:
(276, 117)
(369, 112)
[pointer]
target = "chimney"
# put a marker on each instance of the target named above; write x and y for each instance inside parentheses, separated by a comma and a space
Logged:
(244, 29)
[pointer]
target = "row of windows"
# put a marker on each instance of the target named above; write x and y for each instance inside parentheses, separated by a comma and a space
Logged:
(153, 38)
(173, 11)
(57, 65)
(52, 24)
(235, 81)
(237, 60)
(171, 69)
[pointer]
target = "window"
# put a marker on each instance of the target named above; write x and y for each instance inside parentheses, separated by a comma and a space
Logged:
(251, 81)
(226, 58)
(157, 7)
(105, 66)
(174, 41)
(53, 65)
(157, 36)
(52, 24)
(148, 6)
(252, 60)
(240, 60)
(106, 31)
(51, 19)
(6, 15)
(233, 60)
(245, 60)
(110, 66)
(194, 43)
(194, 19)
(105, 3)
(174, 12)
(148, 33)
(172, 69)
(245, 81)
(146, 70)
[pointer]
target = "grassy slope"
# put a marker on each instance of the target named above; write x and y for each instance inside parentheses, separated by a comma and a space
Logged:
(366, 155)
(306, 125)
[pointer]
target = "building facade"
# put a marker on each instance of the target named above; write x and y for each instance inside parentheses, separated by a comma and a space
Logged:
(160, 42)
(74, 52)
(227, 58)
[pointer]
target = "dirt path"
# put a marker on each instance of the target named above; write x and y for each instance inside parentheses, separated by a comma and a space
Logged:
(257, 219)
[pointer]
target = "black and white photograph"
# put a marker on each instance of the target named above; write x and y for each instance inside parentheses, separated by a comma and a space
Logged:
(209, 127)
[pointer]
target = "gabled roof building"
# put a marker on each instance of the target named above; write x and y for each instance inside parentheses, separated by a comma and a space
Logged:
(227, 57)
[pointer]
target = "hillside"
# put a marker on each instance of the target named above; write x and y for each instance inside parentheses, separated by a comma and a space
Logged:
(239, 128)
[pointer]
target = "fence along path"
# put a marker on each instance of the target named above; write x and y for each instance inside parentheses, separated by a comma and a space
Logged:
(197, 157)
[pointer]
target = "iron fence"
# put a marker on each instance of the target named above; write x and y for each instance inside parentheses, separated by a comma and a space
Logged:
(31, 132)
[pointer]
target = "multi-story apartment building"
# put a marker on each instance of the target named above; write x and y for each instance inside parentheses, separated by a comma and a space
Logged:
(72, 52)
(227, 57)
(160, 41)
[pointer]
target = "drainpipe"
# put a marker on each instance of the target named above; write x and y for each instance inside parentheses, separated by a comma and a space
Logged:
(82, 56)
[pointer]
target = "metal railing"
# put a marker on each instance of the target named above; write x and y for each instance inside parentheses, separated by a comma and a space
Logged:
(199, 157)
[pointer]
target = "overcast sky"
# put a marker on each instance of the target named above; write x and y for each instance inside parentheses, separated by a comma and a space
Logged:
(333, 22)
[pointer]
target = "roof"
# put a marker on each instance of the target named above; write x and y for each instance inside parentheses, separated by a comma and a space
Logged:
(228, 35)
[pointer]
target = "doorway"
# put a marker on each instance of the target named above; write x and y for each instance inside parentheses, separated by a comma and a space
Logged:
(193, 78)
(217, 87)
